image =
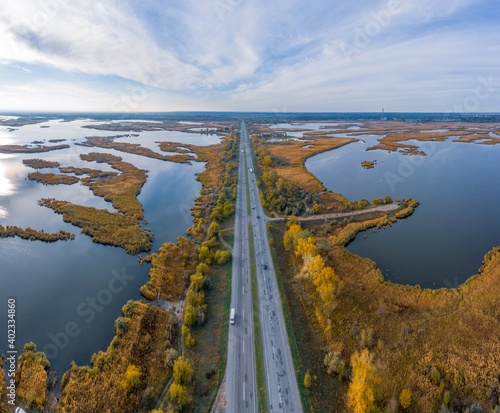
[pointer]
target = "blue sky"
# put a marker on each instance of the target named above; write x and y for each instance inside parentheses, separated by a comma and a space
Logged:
(255, 55)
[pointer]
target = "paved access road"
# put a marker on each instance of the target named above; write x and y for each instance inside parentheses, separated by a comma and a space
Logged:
(240, 371)
(282, 390)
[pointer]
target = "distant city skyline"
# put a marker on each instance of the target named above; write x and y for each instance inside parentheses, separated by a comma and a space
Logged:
(241, 55)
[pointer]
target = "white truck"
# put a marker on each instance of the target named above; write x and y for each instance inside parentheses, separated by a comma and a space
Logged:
(232, 315)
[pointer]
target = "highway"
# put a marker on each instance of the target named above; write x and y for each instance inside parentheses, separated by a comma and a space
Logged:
(240, 370)
(281, 383)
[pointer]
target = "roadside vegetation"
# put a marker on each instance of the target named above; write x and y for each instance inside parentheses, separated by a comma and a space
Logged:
(205, 324)
(367, 345)
(287, 187)
(197, 272)
(378, 346)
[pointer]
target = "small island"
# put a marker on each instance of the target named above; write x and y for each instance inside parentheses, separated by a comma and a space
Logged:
(52, 179)
(368, 164)
(27, 149)
(40, 163)
(34, 235)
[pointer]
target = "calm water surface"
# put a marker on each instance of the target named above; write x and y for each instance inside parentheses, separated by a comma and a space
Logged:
(444, 241)
(78, 283)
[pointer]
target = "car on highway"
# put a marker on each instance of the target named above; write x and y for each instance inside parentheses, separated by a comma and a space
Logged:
(232, 316)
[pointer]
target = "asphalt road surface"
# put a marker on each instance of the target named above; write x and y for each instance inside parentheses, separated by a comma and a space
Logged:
(282, 390)
(240, 371)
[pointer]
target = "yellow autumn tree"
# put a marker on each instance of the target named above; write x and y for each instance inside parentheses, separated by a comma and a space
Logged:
(405, 398)
(290, 236)
(178, 395)
(31, 377)
(3, 391)
(361, 393)
(183, 371)
(131, 378)
(323, 277)
(305, 247)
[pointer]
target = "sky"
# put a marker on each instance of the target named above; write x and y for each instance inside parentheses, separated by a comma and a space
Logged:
(250, 55)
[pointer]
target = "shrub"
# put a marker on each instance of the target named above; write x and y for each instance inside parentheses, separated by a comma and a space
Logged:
(307, 380)
(222, 257)
(435, 376)
(131, 378)
(186, 335)
(183, 371)
(405, 398)
(334, 364)
(476, 408)
(178, 395)
(447, 397)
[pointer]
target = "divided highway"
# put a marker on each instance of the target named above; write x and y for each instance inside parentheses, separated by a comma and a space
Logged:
(240, 371)
(281, 383)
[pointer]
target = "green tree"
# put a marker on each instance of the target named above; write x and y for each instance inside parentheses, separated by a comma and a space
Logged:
(447, 397)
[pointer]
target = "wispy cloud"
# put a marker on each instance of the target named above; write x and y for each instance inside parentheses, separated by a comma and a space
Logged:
(239, 54)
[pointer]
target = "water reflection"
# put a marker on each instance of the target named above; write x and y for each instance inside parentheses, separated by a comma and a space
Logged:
(51, 280)
(6, 187)
(456, 224)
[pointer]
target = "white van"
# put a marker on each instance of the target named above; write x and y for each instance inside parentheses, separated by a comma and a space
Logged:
(231, 316)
